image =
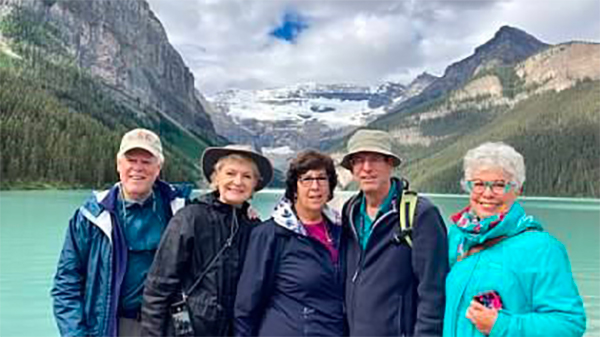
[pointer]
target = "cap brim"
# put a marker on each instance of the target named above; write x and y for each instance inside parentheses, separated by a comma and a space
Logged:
(212, 155)
(346, 160)
(142, 146)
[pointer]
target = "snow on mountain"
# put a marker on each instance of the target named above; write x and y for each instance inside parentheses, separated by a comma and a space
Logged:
(284, 120)
(335, 106)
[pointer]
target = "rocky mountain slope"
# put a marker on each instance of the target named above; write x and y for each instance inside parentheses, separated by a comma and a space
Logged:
(508, 46)
(546, 105)
(124, 44)
(75, 75)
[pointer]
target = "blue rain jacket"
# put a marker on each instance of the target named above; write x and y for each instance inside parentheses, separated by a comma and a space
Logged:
(289, 285)
(531, 272)
(92, 264)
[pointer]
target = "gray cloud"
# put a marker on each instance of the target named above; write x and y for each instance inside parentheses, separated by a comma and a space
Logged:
(226, 43)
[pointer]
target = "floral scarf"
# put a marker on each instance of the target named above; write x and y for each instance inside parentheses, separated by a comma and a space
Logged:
(474, 231)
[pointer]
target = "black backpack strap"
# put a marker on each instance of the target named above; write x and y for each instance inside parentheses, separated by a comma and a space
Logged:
(228, 242)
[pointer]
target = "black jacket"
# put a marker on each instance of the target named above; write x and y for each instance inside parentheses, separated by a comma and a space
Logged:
(392, 289)
(193, 237)
(290, 286)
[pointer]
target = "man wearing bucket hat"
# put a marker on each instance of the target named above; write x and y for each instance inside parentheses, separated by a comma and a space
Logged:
(393, 288)
(191, 286)
(110, 244)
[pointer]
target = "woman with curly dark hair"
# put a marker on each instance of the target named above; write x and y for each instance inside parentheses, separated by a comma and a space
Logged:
(291, 283)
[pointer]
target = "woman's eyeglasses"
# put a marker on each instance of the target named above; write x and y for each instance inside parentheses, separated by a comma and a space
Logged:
(307, 181)
(497, 186)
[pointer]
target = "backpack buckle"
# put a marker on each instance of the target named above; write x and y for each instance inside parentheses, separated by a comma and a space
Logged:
(400, 237)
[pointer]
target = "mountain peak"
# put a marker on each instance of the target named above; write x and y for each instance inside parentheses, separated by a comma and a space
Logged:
(510, 36)
(424, 76)
(510, 31)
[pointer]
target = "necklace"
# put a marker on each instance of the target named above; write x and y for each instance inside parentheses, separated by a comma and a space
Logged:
(124, 208)
(323, 225)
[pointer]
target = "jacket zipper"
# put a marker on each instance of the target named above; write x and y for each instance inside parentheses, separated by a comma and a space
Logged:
(362, 251)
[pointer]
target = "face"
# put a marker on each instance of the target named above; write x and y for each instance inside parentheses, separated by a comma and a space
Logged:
(312, 191)
(372, 171)
(235, 180)
(489, 202)
(138, 170)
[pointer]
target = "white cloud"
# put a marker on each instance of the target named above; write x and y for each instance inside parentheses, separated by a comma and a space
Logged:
(226, 43)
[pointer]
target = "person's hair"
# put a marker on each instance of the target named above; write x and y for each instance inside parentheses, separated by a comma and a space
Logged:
(227, 159)
(499, 155)
(161, 159)
(306, 161)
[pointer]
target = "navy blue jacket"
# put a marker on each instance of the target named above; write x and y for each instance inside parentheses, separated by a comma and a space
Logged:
(289, 285)
(92, 264)
(392, 289)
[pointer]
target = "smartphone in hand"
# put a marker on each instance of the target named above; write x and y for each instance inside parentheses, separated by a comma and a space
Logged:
(491, 299)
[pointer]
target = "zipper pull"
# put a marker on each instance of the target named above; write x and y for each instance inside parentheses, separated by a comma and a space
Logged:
(355, 276)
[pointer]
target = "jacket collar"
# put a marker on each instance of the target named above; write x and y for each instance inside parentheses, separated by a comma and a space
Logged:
(400, 183)
(109, 200)
(285, 216)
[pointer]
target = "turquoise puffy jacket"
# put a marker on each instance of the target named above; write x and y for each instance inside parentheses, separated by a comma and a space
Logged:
(532, 274)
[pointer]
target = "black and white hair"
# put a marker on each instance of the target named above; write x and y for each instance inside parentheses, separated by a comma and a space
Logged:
(306, 161)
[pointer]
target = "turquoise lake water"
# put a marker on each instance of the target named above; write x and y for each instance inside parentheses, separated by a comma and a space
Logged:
(33, 224)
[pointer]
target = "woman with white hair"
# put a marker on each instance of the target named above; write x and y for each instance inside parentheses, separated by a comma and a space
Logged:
(508, 276)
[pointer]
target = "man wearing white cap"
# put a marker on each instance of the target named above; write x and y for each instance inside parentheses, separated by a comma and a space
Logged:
(110, 244)
(394, 283)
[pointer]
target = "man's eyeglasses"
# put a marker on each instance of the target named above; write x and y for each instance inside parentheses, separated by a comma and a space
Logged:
(372, 158)
(497, 186)
(307, 181)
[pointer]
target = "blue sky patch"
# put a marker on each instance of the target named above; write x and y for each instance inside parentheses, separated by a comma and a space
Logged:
(292, 25)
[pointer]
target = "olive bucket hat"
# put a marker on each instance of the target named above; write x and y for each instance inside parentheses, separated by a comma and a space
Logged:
(212, 155)
(365, 140)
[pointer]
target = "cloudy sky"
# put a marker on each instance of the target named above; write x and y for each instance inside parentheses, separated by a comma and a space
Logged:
(251, 44)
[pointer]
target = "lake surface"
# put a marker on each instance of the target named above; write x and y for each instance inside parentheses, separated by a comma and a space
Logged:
(33, 224)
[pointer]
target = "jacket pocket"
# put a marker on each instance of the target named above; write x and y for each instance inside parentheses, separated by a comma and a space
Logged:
(307, 317)
(207, 313)
(400, 317)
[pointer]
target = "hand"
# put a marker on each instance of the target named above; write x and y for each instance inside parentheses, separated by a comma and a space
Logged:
(482, 317)
(253, 214)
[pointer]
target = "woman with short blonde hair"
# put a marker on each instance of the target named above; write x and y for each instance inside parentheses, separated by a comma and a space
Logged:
(194, 276)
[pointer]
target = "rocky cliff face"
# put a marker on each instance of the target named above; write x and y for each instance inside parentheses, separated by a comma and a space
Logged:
(561, 66)
(124, 44)
(557, 68)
